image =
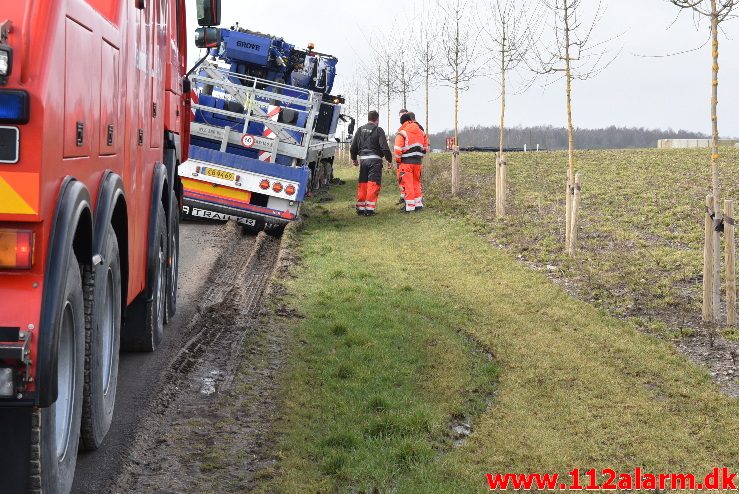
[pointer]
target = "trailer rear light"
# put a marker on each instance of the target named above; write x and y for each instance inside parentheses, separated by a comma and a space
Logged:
(7, 385)
(13, 106)
(16, 249)
(264, 184)
(277, 187)
(290, 190)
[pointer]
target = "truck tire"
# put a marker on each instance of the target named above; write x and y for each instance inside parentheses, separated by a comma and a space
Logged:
(102, 342)
(254, 229)
(56, 429)
(145, 324)
(173, 264)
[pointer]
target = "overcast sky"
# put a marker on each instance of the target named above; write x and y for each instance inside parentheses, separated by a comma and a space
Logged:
(667, 92)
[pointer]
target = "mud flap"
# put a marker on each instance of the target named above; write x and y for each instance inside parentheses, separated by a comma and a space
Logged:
(15, 453)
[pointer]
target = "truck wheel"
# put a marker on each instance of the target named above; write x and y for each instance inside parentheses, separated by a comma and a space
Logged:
(145, 323)
(254, 229)
(57, 428)
(103, 295)
(173, 263)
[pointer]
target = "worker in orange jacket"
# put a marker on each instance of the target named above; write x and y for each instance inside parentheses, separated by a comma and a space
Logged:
(402, 112)
(427, 147)
(409, 150)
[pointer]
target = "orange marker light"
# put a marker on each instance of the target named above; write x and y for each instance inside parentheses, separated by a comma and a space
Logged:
(264, 184)
(16, 249)
(277, 187)
(290, 190)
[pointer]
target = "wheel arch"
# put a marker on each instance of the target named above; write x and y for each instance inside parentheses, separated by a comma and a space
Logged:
(71, 234)
(160, 192)
(112, 208)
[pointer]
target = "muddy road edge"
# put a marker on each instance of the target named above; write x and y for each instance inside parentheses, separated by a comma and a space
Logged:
(212, 430)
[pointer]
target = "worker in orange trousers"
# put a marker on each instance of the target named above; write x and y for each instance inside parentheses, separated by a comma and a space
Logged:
(368, 149)
(409, 150)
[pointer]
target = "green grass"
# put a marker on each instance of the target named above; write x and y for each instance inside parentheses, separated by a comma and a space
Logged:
(641, 235)
(400, 312)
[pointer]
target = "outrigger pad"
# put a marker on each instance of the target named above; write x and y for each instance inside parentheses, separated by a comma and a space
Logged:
(300, 175)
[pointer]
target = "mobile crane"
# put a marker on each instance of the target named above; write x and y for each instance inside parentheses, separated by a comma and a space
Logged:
(263, 128)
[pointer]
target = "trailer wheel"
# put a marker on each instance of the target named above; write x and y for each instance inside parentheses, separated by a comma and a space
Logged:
(274, 230)
(102, 341)
(173, 264)
(56, 429)
(145, 324)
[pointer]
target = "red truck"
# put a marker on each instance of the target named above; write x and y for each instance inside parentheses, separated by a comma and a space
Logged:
(94, 120)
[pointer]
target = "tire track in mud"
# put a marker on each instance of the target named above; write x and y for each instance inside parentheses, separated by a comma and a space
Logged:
(167, 452)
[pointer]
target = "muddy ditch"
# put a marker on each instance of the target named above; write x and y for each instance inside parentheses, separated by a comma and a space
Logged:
(211, 426)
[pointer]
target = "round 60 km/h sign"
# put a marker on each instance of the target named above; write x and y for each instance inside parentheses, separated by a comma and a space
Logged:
(248, 141)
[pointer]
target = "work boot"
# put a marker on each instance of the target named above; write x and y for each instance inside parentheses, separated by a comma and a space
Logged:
(370, 213)
(400, 201)
(361, 212)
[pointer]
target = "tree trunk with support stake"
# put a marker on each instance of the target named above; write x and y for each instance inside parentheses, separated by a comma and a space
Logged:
(455, 167)
(717, 11)
(708, 259)
(570, 134)
(568, 207)
(500, 210)
(575, 214)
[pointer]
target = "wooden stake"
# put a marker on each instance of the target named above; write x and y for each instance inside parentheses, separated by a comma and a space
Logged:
(730, 263)
(501, 170)
(497, 187)
(708, 264)
(503, 187)
(568, 210)
(455, 170)
(575, 214)
(716, 270)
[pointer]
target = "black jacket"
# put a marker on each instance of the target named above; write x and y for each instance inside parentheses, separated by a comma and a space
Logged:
(370, 140)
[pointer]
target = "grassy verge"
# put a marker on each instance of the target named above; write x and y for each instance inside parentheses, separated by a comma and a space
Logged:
(382, 367)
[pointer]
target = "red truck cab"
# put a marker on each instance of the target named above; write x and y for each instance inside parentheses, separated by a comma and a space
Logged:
(93, 124)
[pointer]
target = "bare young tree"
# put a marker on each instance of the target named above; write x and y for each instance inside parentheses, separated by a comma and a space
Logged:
(459, 60)
(385, 78)
(388, 79)
(574, 55)
(407, 73)
(507, 40)
(717, 11)
(427, 50)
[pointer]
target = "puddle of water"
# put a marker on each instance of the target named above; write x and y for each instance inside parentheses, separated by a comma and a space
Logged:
(208, 383)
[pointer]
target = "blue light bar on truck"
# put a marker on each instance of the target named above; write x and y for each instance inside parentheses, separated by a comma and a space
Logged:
(13, 106)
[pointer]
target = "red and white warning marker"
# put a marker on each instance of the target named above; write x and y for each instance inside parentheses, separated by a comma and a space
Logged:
(273, 114)
(248, 141)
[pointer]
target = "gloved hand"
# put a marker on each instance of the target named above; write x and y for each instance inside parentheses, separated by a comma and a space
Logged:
(355, 162)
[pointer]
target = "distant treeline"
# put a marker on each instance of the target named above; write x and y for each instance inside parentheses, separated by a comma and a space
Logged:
(554, 138)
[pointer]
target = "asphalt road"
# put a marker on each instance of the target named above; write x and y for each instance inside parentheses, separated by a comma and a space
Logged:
(140, 374)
